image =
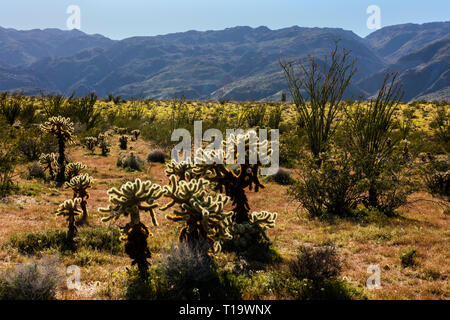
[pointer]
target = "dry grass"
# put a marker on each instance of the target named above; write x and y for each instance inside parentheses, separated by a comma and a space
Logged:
(423, 226)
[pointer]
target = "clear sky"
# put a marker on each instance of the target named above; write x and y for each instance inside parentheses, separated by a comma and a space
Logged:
(118, 19)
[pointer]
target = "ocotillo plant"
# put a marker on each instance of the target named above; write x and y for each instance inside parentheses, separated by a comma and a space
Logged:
(62, 129)
(79, 185)
(49, 162)
(202, 214)
(74, 169)
(69, 209)
(129, 200)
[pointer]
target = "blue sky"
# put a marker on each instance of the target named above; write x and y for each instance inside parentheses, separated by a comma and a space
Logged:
(120, 19)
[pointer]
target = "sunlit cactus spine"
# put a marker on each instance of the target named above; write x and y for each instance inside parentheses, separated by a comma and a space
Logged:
(123, 142)
(62, 129)
(80, 185)
(49, 162)
(129, 200)
(202, 214)
(74, 169)
(90, 143)
(69, 209)
(135, 133)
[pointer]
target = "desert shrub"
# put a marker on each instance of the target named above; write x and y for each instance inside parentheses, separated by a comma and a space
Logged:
(130, 161)
(101, 238)
(31, 281)
(255, 115)
(282, 177)
(98, 238)
(33, 143)
(331, 189)
(156, 156)
(316, 263)
(408, 257)
(10, 106)
(440, 127)
(184, 273)
(35, 170)
(82, 110)
(436, 176)
(103, 144)
(32, 242)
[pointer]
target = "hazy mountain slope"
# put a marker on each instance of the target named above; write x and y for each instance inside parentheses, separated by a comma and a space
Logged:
(422, 73)
(240, 63)
(198, 63)
(393, 42)
(20, 48)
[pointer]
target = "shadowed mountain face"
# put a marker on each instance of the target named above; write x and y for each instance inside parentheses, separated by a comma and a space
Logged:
(240, 63)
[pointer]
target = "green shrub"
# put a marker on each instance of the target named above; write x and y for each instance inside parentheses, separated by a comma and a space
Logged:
(329, 189)
(96, 238)
(32, 242)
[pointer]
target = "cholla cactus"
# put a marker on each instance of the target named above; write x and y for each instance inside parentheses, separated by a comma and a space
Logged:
(252, 233)
(62, 129)
(182, 170)
(203, 215)
(224, 179)
(123, 142)
(104, 146)
(48, 161)
(135, 134)
(129, 200)
(74, 169)
(69, 209)
(90, 143)
(79, 185)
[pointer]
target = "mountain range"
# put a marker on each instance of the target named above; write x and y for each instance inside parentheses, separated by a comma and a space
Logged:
(239, 63)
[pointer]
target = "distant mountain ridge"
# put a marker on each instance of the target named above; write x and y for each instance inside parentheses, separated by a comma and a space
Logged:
(240, 63)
